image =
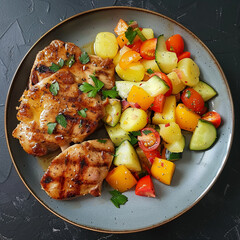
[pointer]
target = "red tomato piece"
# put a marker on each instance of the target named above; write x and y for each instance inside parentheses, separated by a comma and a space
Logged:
(158, 103)
(145, 187)
(165, 78)
(136, 46)
(149, 139)
(148, 48)
(192, 100)
(175, 44)
(151, 155)
(212, 117)
(184, 55)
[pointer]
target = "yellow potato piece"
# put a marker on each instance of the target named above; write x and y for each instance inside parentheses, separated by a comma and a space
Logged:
(150, 64)
(170, 132)
(177, 84)
(148, 33)
(106, 45)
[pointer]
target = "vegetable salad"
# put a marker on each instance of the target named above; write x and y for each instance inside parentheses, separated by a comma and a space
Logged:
(158, 96)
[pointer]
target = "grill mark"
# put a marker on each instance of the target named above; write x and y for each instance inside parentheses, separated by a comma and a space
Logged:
(42, 69)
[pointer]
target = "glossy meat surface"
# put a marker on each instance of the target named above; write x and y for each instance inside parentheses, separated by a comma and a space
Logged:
(79, 170)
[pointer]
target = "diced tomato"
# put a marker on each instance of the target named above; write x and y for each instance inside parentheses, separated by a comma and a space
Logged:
(212, 117)
(136, 46)
(149, 139)
(145, 187)
(193, 100)
(175, 44)
(148, 48)
(165, 78)
(129, 57)
(151, 155)
(184, 55)
(121, 27)
(158, 103)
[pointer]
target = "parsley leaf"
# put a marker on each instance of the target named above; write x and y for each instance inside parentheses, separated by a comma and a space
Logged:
(82, 112)
(130, 22)
(102, 140)
(55, 67)
(70, 61)
(90, 89)
(150, 71)
(51, 127)
(60, 62)
(188, 94)
(130, 35)
(136, 133)
(61, 120)
(133, 139)
(54, 88)
(146, 132)
(84, 58)
(118, 198)
(113, 93)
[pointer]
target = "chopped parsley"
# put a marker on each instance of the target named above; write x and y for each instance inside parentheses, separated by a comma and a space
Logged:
(136, 133)
(70, 61)
(51, 127)
(60, 62)
(54, 67)
(130, 34)
(54, 88)
(113, 93)
(102, 140)
(118, 198)
(150, 71)
(82, 112)
(133, 139)
(61, 120)
(188, 94)
(90, 89)
(146, 132)
(84, 58)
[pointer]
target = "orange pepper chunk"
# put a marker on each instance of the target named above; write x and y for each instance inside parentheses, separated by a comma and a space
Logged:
(185, 118)
(122, 40)
(129, 57)
(141, 97)
(121, 179)
(121, 27)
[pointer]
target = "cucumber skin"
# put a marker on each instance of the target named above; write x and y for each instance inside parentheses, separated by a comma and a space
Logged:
(162, 35)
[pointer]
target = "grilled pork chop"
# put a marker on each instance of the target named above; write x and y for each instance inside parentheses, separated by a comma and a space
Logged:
(78, 170)
(103, 69)
(39, 107)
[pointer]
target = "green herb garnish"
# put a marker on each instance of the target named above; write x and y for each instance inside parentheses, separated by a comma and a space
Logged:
(150, 71)
(188, 94)
(82, 112)
(136, 133)
(90, 89)
(70, 61)
(130, 34)
(54, 88)
(102, 140)
(51, 127)
(133, 139)
(113, 93)
(146, 132)
(55, 67)
(118, 198)
(61, 120)
(60, 62)
(84, 58)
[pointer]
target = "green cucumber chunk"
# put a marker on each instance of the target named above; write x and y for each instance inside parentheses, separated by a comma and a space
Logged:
(165, 59)
(204, 135)
(127, 156)
(171, 156)
(124, 87)
(140, 34)
(205, 90)
(112, 112)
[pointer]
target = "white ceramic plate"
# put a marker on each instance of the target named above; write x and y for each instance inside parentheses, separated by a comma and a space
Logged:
(195, 173)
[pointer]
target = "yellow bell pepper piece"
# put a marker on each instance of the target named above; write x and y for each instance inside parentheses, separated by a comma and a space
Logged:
(163, 170)
(121, 179)
(141, 97)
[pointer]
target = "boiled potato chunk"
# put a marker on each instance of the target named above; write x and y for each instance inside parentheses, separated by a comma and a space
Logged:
(135, 72)
(177, 84)
(106, 45)
(176, 146)
(148, 33)
(189, 72)
(170, 132)
(133, 119)
(150, 64)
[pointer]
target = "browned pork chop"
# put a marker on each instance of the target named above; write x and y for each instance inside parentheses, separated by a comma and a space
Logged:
(103, 69)
(39, 107)
(78, 170)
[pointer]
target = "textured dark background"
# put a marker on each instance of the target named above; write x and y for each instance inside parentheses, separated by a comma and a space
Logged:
(216, 23)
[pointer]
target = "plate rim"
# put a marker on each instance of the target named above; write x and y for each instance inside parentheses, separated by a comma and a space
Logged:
(210, 184)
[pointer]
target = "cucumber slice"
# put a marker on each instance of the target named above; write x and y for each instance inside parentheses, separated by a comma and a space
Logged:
(203, 136)
(126, 155)
(155, 86)
(205, 90)
(117, 134)
(165, 60)
(124, 87)
(172, 156)
(140, 34)
(177, 146)
(113, 112)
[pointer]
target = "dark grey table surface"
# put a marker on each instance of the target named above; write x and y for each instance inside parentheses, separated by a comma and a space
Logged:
(216, 23)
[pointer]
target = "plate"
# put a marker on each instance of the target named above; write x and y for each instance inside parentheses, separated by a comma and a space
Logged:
(195, 173)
